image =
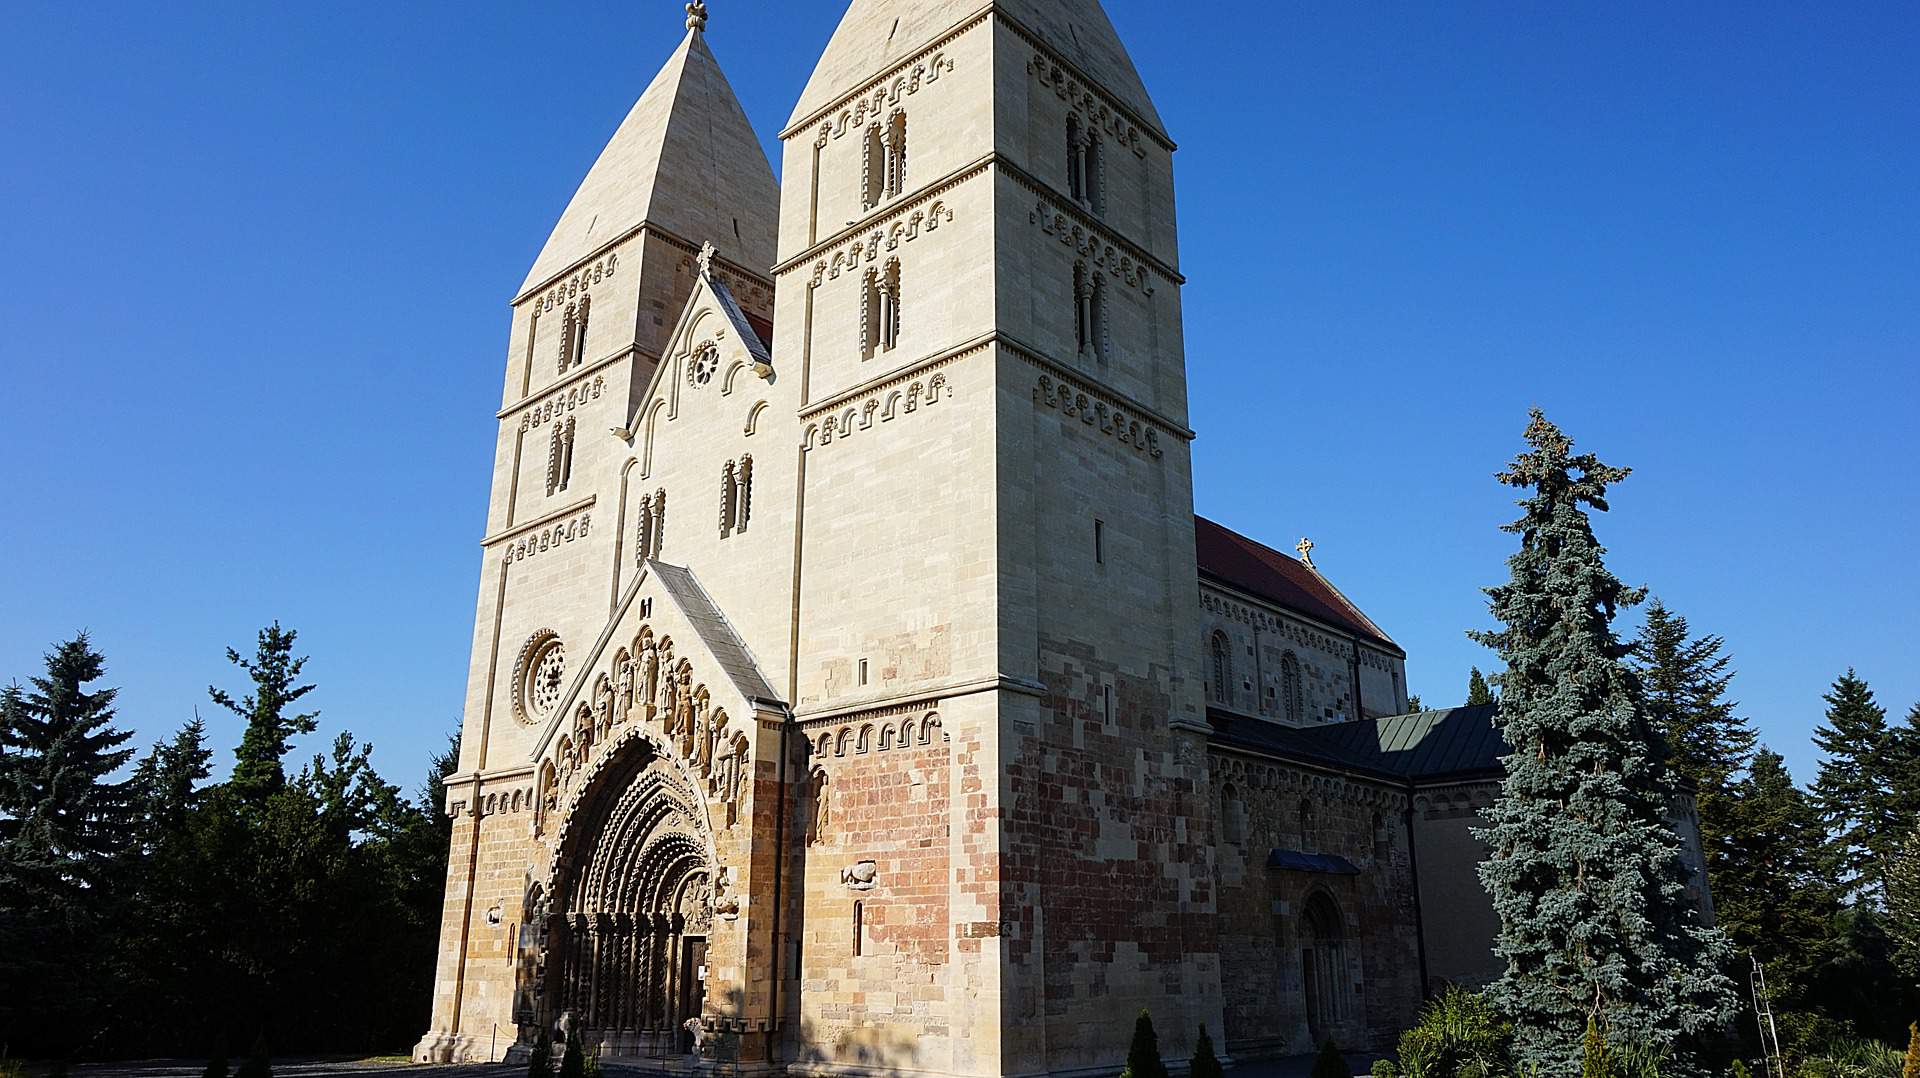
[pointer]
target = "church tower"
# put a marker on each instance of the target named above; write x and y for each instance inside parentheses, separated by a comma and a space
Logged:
(978, 301)
(588, 331)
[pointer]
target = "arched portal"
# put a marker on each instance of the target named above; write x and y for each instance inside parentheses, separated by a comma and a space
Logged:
(1323, 966)
(632, 906)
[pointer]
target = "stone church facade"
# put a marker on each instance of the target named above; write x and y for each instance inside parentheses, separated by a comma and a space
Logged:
(854, 689)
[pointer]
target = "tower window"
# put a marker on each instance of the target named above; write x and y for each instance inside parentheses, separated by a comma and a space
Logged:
(1099, 541)
(573, 335)
(580, 332)
(1290, 688)
(1222, 668)
(1089, 314)
(560, 455)
(1076, 162)
(1083, 164)
(859, 926)
(885, 167)
(652, 522)
(863, 671)
(880, 314)
(1233, 817)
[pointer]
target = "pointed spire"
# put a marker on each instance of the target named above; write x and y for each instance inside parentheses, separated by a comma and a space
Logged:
(685, 160)
(874, 35)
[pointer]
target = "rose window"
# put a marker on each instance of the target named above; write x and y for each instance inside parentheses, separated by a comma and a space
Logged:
(706, 363)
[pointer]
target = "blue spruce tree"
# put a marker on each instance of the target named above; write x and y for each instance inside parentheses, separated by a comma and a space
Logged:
(1584, 870)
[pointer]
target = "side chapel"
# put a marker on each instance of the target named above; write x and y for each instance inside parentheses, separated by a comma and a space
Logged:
(853, 687)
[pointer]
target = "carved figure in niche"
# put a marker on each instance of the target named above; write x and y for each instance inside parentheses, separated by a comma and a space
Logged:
(822, 808)
(650, 679)
(725, 902)
(602, 707)
(702, 748)
(623, 690)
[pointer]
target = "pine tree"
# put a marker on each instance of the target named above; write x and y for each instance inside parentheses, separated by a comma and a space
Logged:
(274, 671)
(1477, 691)
(1585, 870)
(167, 780)
(1414, 704)
(1205, 1064)
(1855, 792)
(1903, 766)
(1772, 894)
(1143, 1053)
(1903, 907)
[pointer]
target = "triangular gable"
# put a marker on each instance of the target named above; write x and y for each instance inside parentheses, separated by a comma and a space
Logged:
(734, 333)
(675, 606)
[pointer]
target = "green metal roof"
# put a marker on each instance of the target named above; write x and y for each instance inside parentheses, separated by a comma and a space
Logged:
(1453, 743)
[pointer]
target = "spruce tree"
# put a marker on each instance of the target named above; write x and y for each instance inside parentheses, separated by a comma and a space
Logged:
(1903, 766)
(61, 821)
(1855, 791)
(1477, 691)
(167, 780)
(1143, 1052)
(1708, 743)
(1772, 894)
(1414, 704)
(1584, 870)
(1205, 1064)
(274, 671)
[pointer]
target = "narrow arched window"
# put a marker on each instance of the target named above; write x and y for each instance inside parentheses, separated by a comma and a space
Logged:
(566, 338)
(859, 927)
(1306, 824)
(1222, 668)
(1076, 161)
(1091, 187)
(743, 497)
(1097, 317)
(1082, 309)
(896, 154)
(578, 350)
(873, 170)
(870, 313)
(1233, 816)
(890, 307)
(1290, 687)
(729, 504)
(643, 534)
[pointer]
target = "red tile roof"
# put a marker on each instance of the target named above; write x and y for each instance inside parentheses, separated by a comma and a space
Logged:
(1235, 560)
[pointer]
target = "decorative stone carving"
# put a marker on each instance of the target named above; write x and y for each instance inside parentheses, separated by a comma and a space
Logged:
(1085, 240)
(860, 876)
(1091, 409)
(545, 539)
(539, 676)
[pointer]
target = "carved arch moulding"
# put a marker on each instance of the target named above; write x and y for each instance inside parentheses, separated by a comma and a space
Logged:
(583, 279)
(885, 94)
(882, 405)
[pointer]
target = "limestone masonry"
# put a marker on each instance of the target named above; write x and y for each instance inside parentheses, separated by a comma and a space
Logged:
(854, 690)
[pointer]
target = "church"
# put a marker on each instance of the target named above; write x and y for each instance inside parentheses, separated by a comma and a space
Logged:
(854, 689)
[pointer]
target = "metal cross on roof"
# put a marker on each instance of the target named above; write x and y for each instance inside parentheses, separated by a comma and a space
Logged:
(706, 257)
(697, 16)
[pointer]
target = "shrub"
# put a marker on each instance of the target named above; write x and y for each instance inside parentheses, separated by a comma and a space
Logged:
(1458, 1033)
(11, 1067)
(572, 1064)
(1853, 1057)
(1330, 1063)
(1593, 1053)
(1739, 1070)
(590, 1066)
(1912, 1067)
(1384, 1068)
(1143, 1055)
(258, 1064)
(1205, 1063)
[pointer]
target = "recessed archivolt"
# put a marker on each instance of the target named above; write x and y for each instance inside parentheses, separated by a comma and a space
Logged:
(753, 416)
(880, 735)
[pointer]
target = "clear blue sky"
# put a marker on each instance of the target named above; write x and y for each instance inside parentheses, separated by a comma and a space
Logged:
(257, 259)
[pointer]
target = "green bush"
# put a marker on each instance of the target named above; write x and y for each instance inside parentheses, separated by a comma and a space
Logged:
(1205, 1064)
(1853, 1057)
(1384, 1068)
(1457, 1034)
(572, 1063)
(1595, 1060)
(1330, 1063)
(1911, 1069)
(1143, 1055)
(1739, 1070)
(590, 1066)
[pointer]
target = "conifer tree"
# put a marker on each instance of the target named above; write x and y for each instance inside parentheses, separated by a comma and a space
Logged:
(1143, 1052)
(1584, 870)
(1911, 1068)
(274, 671)
(1415, 705)
(1772, 894)
(1477, 691)
(1903, 908)
(1708, 743)
(1856, 790)
(1205, 1064)
(167, 780)
(1903, 766)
